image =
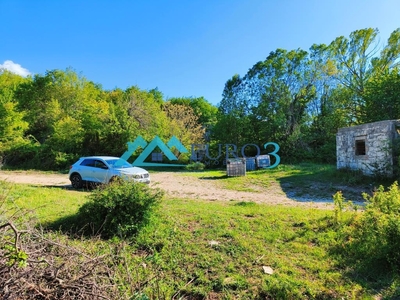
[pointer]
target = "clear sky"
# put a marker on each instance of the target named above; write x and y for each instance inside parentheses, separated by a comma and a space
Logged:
(185, 48)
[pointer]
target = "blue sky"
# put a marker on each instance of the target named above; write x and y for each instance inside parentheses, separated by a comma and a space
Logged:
(184, 48)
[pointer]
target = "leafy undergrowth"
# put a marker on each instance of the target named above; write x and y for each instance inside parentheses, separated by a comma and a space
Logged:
(195, 249)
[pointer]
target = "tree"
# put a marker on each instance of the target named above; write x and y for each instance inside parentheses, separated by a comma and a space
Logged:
(205, 111)
(12, 125)
(382, 97)
(300, 99)
(333, 114)
(270, 103)
(184, 124)
(55, 101)
(146, 113)
(389, 56)
(357, 61)
(233, 118)
(46, 99)
(282, 87)
(132, 112)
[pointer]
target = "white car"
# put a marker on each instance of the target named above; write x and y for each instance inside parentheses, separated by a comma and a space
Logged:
(104, 169)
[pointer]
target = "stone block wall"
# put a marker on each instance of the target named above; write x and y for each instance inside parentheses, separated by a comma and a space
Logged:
(367, 147)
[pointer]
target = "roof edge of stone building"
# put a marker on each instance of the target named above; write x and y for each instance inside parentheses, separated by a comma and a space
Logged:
(355, 127)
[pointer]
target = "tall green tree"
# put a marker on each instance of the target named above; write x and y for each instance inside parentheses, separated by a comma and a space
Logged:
(382, 97)
(133, 112)
(48, 98)
(12, 125)
(333, 114)
(272, 99)
(184, 124)
(358, 60)
(299, 99)
(204, 110)
(145, 111)
(65, 113)
(233, 118)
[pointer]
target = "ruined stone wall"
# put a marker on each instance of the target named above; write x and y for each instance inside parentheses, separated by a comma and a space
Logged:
(367, 147)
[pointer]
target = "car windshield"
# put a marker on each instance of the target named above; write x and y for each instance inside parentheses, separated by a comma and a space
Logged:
(118, 163)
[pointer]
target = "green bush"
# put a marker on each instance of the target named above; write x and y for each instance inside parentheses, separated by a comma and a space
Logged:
(119, 209)
(21, 155)
(374, 238)
(196, 166)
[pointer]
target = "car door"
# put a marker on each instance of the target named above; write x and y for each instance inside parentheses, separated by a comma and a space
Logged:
(86, 169)
(101, 172)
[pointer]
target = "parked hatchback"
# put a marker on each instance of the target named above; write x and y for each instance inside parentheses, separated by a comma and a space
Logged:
(104, 169)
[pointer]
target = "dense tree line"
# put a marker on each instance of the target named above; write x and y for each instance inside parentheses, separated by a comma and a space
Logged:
(49, 120)
(299, 99)
(295, 98)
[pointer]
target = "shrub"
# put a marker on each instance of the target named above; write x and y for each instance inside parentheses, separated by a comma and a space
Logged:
(374, 238)
(119, 209)
(21, 154)
(196, 166)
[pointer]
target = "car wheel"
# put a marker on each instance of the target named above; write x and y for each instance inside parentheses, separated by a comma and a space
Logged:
(115, 179)
(76, 181)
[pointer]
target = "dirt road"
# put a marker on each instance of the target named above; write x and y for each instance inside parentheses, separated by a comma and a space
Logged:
(180, 186)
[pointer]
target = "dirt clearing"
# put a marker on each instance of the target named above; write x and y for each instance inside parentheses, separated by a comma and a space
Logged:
(180, 185)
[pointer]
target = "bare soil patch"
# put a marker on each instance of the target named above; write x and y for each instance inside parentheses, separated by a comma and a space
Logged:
(184, 186)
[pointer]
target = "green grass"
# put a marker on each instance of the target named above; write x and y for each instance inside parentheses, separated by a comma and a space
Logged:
(47, 204)
(297, 174)
(196, 249)
(222, 248)
(313, 180)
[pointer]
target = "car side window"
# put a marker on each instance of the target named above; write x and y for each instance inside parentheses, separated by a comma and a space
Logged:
(88, 163)
(99, 164)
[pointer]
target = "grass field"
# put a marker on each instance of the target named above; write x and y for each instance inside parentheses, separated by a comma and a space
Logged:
(195, 249)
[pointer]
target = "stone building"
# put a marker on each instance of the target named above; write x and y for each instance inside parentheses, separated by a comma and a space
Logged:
(368, 147)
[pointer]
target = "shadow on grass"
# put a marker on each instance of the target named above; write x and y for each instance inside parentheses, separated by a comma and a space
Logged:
(319, 184)
(302, 184)
(309, 182)
(64, 187)
(120, 209)
(214, 177)
(75, 226)
(374, 274)
(80, 225)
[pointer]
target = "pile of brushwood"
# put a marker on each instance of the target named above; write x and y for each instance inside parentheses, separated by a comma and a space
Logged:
(35, 265)
(46, 264)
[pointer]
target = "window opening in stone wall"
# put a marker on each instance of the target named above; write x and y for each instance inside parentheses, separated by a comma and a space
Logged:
(360, 147)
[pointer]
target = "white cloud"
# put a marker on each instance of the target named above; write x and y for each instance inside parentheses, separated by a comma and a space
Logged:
(14, 68)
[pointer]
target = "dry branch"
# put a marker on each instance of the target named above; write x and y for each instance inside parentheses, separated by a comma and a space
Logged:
(53, 270)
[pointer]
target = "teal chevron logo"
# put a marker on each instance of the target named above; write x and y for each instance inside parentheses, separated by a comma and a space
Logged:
(148, 148)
